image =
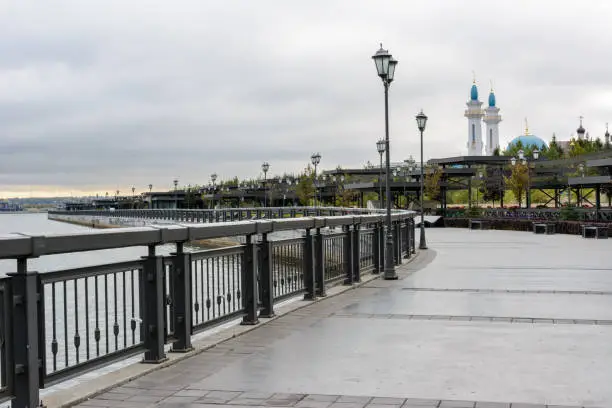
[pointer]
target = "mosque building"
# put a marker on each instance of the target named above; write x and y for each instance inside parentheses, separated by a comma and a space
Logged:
(490, 116)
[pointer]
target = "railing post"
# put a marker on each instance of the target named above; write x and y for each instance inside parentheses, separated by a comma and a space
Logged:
(407, 237)
(319, 254)
(356, 249)
(308, 265)
(250, 297)
(266, 278)
(181, 268)
(24, 352)
(347, 259)
(413, 235)
(376, 249)
(152, 290)
(381, 246)
(398, 242)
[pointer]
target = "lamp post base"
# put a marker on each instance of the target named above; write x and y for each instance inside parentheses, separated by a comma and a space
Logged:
(389, 271)
(390, 276)
(422, 242)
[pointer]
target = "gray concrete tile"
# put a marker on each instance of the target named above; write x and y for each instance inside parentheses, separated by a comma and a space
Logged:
(457, 404)
(250, 401)
(113, 396)
(145, 398)
(387, 401)
(481, 404)
(313, 404)
(348, 405)
(351, 398)
(417, 402)
(178, 400)
(256, 395)
(284, 396)
(191, 393)
(280, 402)
(321, 397)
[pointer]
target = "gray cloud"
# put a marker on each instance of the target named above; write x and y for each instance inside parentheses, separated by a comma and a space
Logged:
(103, 95)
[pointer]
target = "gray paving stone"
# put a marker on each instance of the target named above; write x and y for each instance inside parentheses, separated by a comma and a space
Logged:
(158, 392)
(357, 399)
(492, 405)
(145, 398)
(178, 400)
(321, 397)
(348, 405)
(93, 403)
(284, 396)
(191, 393)
(113, 396)
(387, 401)
(280, 402)
(457, 404)
(313, 404)
(256, 395)
(248, 401)
(417, 402)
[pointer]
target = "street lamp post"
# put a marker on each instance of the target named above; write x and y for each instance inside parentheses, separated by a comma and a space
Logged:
(213, 178)
(385, 67)
(315, 159)
(133, 197)
(421, 119)
(380, 146)
(265, 167)
(175, 193)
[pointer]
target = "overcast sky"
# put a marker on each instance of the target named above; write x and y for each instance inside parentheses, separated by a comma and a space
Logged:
(97, 96)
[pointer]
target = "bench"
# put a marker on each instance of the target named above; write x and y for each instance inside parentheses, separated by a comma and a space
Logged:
(547, 228)
(477, 224)
(595, 231)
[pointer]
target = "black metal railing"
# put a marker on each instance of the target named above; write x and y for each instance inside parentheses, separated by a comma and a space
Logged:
(219, 215)
(334, 256)
(63, 323)
(216, 286)
(90, 317)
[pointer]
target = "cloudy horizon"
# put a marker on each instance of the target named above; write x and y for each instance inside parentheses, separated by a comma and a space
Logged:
(100, 96)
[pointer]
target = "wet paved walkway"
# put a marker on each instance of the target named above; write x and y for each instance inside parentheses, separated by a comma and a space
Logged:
(482, 319)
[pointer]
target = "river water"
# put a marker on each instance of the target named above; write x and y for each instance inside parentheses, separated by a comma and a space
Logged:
(38, 224)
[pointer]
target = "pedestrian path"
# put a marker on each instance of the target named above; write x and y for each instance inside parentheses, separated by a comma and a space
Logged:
(481, 319)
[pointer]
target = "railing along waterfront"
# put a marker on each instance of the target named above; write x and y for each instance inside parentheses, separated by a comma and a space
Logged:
(59, 324)
(548, 214)
(220, 215)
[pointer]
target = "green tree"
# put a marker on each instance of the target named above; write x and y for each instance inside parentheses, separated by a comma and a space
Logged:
(517, 182)
(433, 176)
(305, 187)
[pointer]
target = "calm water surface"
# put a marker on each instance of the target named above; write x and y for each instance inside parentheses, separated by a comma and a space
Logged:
(38, 224)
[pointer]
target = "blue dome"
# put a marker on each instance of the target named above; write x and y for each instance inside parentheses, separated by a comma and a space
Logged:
(492, 99)
(528, 140)
(474, 93)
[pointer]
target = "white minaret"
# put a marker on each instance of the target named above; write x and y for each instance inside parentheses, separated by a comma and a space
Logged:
(492, 119)
(474, 115)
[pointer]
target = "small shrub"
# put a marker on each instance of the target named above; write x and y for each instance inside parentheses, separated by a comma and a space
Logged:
(569, 214)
